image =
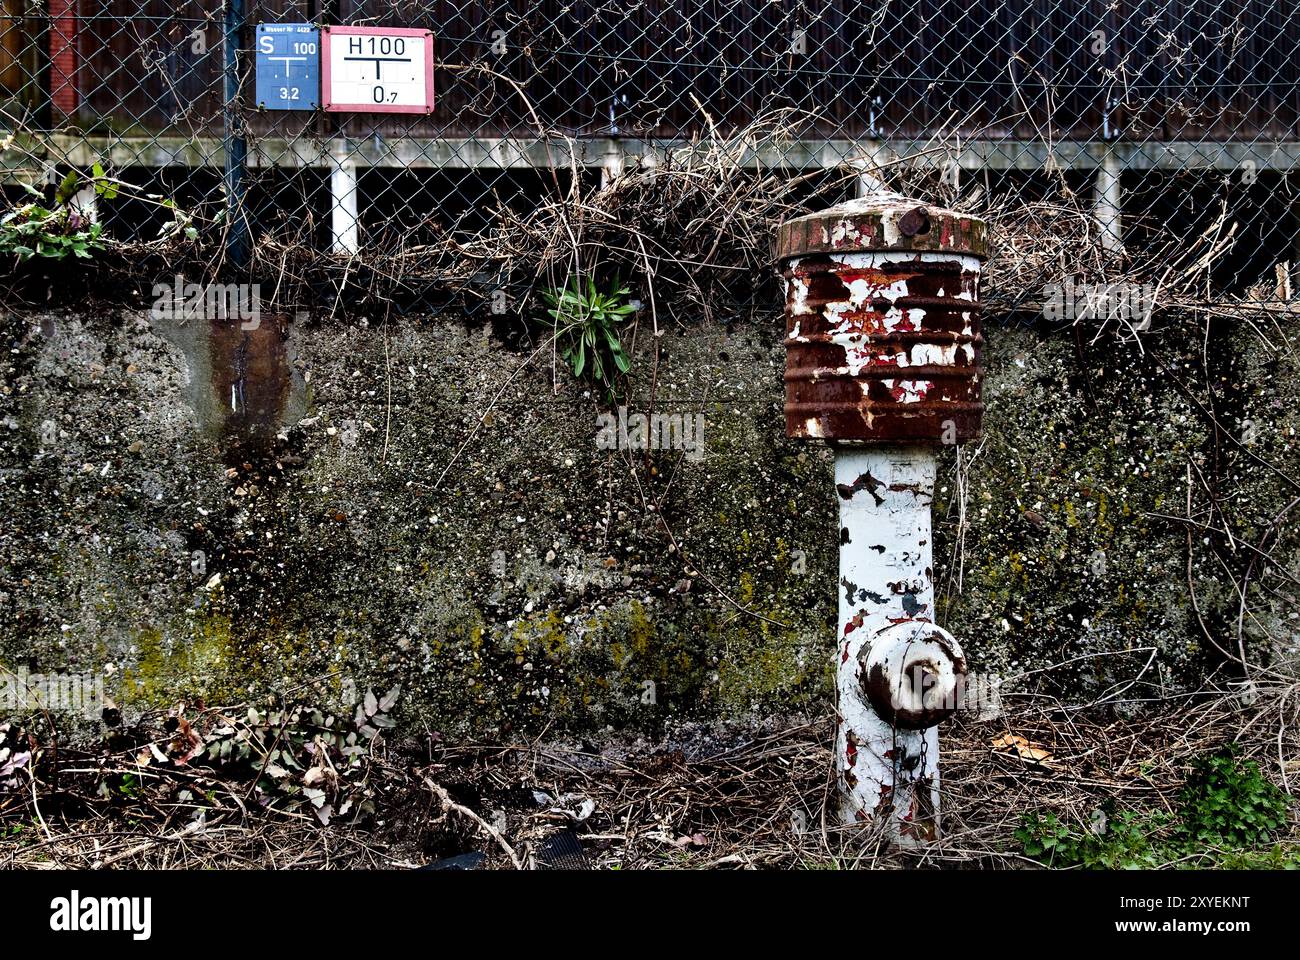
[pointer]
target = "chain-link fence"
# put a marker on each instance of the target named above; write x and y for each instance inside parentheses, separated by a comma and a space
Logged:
(1155, 138)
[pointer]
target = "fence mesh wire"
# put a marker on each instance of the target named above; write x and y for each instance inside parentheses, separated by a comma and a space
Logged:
(1154, 139)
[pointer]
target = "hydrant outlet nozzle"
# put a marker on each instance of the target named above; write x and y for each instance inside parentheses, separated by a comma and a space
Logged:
(913, 673)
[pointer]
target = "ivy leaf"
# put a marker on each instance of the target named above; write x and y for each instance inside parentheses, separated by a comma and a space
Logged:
(68, 188)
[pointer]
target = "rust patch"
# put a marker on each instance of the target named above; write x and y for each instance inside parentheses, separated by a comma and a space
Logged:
(885, 805)
(251, 379)
(865, 482)
(887, 222)
(865, 367)
(915, 221)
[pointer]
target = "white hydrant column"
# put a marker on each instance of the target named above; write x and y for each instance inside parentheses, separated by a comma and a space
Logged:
(888, 642)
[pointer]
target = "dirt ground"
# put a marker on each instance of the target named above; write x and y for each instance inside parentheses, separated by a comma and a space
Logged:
(718, 797)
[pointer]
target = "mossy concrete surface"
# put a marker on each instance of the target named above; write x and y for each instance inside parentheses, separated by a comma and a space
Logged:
(318, 507)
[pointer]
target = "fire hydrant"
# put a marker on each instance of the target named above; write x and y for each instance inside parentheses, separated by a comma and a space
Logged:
(883, 362)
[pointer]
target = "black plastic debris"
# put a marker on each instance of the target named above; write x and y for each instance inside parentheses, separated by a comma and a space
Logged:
(462, 861)
(562, 851)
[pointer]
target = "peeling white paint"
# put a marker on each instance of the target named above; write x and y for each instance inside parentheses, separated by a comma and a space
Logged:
(877, 258)
(797, 297)
(845, 318)
(893, 237)
(933, 354)
(885, 569)
(908, 391)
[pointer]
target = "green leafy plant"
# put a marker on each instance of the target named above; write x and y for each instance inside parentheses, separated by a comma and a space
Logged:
(60, 230)
(1276, 857)
(1227, 810)
(58, 233)
(1045, 838)
(301, 758)
(128, 786)
(1124, 841)
(586, 324)
(20, 834)
(1228, 802)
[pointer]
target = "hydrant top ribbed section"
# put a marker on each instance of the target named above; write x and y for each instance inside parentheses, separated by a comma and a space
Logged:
(882, 323)
(883, 222)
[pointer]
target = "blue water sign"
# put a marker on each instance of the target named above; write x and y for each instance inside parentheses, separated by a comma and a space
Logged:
(288, 66)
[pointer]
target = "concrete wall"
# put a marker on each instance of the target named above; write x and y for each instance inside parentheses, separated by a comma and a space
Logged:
(156, 537)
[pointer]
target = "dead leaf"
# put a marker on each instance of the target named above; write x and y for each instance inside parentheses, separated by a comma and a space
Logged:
(1014, 744)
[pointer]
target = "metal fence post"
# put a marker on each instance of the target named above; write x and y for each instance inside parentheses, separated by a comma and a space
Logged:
(1107, 202)
(236, 147)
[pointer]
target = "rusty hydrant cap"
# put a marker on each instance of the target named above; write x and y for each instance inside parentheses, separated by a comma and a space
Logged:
(883, 221)
(883, 341)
